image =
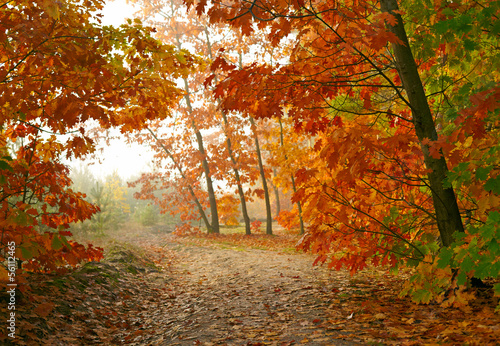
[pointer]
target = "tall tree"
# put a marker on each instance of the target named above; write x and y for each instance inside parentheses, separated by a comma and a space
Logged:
(60, 69)
(292, 177)
(263, 178)
(355, 79)
(370, 71)
(445, 203)
(230, 148)
(234, 163)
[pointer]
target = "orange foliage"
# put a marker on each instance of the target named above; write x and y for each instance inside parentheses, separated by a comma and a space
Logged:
(256, 226)
(185, 229)
(228, 206)
(60, 69)
(288, 219)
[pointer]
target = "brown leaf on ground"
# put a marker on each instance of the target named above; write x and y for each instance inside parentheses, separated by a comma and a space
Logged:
(223, 291)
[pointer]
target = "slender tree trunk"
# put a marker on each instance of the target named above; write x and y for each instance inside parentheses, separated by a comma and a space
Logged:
(241, 193)
(204, 163)
(445, 202)
(206, 168)
(299, 205)
(190, 188)
(269, 216)
(277, 196)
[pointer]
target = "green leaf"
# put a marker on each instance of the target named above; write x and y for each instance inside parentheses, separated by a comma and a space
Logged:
(422, 296)
(25, 253)
(5, 166)
(464, 23)
(493, 247)
(56, 243)
(488, 231)
(482, 172)
(493, 185)
(459, 173)
(469, 44)
(467, 265)
(411, 262)
(483, 270)
(444, 257)
(459, 236)
(461, 278)
(495, 28)
(449, 12)
(494, 218)
(442, 27)
(496, 288)
(65, 242)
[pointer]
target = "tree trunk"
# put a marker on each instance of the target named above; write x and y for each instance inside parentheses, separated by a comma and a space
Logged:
(206, 169)
(204, 163)
(269, 218)
(445, 202)
(190, 188)
(277, 196)
(299, 205)
(241, 193)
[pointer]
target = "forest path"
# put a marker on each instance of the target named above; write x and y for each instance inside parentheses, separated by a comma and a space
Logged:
(233, 296)
(158, 289)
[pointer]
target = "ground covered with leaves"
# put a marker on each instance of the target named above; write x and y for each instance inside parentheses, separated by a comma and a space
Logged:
(159, 289)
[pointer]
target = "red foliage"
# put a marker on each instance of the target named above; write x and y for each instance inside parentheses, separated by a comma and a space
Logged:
(288, 219)
(185, 229)
(256, 226)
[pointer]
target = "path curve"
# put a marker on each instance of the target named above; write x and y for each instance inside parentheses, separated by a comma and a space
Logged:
(230, 296)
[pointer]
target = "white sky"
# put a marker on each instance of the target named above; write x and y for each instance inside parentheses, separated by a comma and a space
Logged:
(127, 160)
(115, 12)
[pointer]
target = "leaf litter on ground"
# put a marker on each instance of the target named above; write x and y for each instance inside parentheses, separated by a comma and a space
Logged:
(235, 290)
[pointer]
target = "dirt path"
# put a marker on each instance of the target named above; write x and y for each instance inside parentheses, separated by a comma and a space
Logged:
(218, 296)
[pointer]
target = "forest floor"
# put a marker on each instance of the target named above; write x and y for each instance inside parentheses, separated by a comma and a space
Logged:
(159, 289)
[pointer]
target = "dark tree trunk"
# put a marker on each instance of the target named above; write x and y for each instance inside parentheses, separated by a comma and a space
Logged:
(204, 163)
(445, 202)
(269, 216)
(277, 196)
(241, 193)
(299, 205)
(206, 169)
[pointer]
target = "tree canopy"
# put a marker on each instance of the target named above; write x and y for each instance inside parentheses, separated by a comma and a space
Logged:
(60, 69)
(379, 118)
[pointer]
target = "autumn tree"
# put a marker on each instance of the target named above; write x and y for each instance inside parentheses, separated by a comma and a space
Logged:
(289, 153)
(176, 188)
(222, 140)
(61, 69)
(178, 29)
(376, 82)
